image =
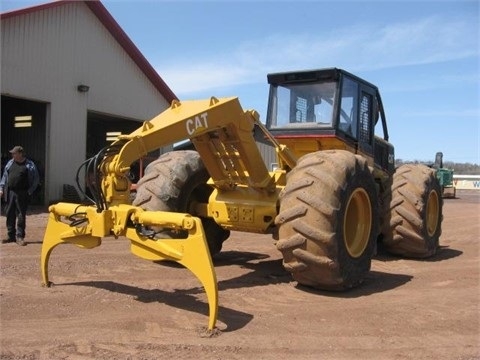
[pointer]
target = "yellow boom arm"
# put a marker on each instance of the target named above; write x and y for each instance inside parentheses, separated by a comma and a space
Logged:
(221, 132)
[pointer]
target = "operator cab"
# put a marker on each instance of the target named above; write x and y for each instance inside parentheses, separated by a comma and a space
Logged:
(328, 109)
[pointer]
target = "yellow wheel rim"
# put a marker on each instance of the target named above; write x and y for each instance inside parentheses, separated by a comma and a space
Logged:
(433, 208)
(357, 223)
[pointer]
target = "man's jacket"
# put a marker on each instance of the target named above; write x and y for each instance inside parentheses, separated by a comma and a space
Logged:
(33, 177)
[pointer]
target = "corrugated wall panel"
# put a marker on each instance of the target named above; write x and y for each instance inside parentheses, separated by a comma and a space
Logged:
(46, 54)
(111, 87)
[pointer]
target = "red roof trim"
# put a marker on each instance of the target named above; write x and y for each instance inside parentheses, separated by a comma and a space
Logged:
(119, 35)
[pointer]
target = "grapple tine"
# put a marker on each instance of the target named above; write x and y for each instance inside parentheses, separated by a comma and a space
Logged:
(58, 232)
(191, 252)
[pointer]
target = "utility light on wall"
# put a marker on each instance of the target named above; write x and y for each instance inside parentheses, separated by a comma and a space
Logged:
(113, 135)
(83, 88)
(23, 121)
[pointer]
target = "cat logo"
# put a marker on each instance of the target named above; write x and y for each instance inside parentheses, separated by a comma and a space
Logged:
(198, 121)
(391, 158)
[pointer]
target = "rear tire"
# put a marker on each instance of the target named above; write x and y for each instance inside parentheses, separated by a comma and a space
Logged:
(174, 182)
(415, 223)
(328, 220)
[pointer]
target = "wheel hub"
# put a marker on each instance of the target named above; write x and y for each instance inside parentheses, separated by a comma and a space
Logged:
(433, 207)
(357, 223)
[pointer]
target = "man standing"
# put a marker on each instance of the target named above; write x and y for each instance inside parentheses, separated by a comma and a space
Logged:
(19, 181)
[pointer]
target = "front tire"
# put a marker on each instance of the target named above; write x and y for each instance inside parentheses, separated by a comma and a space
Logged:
(174, 182)
(415, 223)
(328, 220)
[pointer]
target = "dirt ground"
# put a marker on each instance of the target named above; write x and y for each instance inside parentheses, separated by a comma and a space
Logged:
(109, 304)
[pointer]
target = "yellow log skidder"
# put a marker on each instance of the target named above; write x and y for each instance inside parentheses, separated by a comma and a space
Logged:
(332, 193)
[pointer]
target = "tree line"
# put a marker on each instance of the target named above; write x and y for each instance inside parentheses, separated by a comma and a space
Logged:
(458, 168)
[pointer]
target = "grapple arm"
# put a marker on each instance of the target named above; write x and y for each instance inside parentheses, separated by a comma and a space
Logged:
(85, 227)
(222, 134)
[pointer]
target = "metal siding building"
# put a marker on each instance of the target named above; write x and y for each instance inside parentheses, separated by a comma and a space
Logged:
(46, 52)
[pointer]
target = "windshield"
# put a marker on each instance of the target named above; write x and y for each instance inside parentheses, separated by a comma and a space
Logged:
(302, 105)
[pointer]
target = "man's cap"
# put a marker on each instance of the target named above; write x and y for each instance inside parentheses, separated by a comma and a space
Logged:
(17, 149)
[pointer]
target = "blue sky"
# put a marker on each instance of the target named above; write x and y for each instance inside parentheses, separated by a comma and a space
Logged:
(423, 56)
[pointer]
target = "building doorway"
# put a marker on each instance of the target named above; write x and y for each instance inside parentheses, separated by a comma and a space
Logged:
(23, 122)
(103, 129)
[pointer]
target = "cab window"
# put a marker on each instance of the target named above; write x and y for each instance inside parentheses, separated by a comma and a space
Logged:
(349, 107)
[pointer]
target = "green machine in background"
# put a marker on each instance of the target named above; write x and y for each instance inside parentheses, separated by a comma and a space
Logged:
(445, 177)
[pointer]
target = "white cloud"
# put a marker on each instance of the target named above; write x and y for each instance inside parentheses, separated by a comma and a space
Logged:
(424, 41)
(469, 115)
(442, 81)
(186, 78)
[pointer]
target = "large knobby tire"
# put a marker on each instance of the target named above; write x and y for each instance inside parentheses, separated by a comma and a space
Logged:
(414, 224)
(175, 182)
(328, 220)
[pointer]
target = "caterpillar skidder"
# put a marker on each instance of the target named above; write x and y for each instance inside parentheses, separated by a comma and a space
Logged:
(332, 194)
